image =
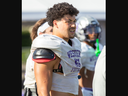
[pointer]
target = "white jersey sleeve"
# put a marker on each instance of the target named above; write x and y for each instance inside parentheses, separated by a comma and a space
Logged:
(29, 74)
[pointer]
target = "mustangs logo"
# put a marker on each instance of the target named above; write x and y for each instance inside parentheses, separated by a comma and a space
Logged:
(75, 53)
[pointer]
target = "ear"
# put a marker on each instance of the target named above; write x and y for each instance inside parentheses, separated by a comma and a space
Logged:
(40, 33)
(55, 23)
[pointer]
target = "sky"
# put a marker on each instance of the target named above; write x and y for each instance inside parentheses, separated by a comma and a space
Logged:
(81, 5)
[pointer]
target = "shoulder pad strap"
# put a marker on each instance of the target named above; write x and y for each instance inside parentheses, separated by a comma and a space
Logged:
(42, 55)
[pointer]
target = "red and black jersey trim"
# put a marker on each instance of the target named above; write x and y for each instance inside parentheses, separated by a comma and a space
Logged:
(60, 69)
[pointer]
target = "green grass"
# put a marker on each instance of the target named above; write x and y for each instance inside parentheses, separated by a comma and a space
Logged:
(25, 54)
(26, 41)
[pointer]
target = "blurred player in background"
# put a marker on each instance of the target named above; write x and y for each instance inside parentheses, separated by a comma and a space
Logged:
(40, 27)
(87, 31)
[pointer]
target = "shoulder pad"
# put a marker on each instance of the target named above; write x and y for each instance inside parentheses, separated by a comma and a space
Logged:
(42, 55)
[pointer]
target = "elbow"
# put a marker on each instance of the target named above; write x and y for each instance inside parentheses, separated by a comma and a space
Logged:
(42, 92)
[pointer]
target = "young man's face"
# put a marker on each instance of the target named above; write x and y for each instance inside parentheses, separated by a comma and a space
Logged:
(93, 36)
(67, 26)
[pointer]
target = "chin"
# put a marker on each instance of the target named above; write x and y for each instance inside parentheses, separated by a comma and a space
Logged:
(71, 37)
(92, 39)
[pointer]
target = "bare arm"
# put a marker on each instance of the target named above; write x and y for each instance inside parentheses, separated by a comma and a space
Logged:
(43, 76)
(81, 80)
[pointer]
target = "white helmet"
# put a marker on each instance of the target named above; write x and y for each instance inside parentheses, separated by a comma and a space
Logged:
(84, 26)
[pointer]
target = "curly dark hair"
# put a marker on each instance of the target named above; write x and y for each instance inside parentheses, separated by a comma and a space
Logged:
(59, 10)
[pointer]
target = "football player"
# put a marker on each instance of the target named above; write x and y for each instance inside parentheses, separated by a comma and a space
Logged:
(57, 56)
(87, 31)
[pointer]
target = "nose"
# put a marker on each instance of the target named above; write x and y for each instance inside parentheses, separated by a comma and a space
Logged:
(93, 33)
(73, 25)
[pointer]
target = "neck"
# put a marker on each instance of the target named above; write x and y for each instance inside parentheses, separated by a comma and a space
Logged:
(66, 39)
(91, 44)
(88, 43)
(56, 33)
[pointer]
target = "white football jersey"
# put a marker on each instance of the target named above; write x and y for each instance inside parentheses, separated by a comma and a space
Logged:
(70, 61)
(29, 73)
(88, 57)
(70, 55)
